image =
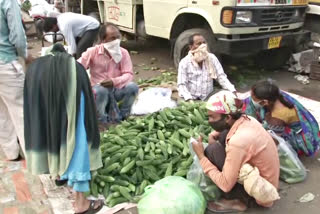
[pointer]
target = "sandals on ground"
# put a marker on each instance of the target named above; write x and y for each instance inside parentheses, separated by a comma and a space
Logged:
(91, 209)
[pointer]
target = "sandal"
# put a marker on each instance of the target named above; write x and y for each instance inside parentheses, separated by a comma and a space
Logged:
(91, 209)
(60, 183)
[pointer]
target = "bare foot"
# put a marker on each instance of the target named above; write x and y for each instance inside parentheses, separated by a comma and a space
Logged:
(226, 206)
(79, 208)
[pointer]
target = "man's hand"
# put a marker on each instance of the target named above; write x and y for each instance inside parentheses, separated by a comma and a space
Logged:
(107, 83)
(198, 148)
(213, 137)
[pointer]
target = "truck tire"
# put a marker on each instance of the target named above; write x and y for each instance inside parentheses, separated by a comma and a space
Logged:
(181, 46)
(273, 59)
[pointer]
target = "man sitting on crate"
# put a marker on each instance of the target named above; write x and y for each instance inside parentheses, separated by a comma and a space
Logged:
(198, 70)
(242, 139)
(111, 76)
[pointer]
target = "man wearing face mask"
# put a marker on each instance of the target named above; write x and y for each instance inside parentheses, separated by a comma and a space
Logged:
(198, 70)
(244, 141)
(111, 75)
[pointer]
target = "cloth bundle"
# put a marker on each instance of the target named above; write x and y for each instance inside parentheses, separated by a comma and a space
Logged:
(201, 54)
(256, 186)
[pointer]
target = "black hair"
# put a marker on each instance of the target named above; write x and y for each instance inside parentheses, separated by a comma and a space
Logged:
(103, 30)
(191, 38)
(49, 23)
(267, 90)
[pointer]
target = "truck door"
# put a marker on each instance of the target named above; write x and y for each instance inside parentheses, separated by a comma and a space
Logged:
(159, 15)
(121, 13)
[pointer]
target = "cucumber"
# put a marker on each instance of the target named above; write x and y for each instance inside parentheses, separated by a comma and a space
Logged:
(108, 179)
(106, 190)
(128, 167)
(118, 200)
(125, 193)
(151, 124)
(169, 170)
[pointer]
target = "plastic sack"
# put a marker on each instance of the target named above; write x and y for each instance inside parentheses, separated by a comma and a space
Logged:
(42, 8)
(256, 186)
(196, 175)
(153, 100)
(172, 195)
(291, 168)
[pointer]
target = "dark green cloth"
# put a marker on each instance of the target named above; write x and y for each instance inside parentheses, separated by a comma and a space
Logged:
(53, 86)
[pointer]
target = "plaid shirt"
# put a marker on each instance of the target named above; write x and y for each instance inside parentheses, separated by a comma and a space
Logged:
(195, 82)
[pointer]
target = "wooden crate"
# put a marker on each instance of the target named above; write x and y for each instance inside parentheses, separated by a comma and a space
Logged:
(315, 70)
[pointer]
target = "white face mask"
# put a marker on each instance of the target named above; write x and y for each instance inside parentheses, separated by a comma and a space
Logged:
(256, 104)
(114, 50)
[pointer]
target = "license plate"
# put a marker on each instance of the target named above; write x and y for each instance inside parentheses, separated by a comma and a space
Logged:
(274, 42)
(300, 2)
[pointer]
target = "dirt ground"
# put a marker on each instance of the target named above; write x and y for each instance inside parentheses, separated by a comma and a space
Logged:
(242, 74)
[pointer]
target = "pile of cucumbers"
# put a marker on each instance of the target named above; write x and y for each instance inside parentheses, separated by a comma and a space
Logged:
(142, 150)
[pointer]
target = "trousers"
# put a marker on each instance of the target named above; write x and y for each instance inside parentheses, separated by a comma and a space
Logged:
(11, 109)
(107, 100)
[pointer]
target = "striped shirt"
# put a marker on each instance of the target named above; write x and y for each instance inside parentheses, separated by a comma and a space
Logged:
(195, 82)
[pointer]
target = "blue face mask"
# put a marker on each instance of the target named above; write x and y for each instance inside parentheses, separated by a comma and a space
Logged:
(256, 104)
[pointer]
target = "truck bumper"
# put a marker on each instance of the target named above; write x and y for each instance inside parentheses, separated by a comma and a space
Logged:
(247, 46)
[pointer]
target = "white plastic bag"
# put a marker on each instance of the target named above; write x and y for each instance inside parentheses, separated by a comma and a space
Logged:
(153, 100)
(50, 38)
(196, 175)
(291, 168)
(42, 8)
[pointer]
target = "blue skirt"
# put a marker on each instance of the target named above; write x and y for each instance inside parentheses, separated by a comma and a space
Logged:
(78, 172)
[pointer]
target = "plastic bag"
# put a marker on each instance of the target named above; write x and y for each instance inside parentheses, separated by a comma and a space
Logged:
(172, 195)
(256, 186)
(291, 168)
(196, 175)
(153, 100)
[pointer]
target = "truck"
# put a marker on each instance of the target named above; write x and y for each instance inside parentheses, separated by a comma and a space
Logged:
(312, 22)
(268, 29)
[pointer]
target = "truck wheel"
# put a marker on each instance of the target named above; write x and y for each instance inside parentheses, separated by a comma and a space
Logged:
(181, 47)
(273, 59)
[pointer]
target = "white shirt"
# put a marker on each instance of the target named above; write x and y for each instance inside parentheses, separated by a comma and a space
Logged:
(195, 82)
(74, 25)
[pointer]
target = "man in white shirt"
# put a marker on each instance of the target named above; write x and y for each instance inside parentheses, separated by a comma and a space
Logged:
(80, 31)
(198, 70)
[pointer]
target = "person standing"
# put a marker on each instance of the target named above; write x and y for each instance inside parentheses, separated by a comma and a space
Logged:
(13, 44)
(80, 31)
(198, 70)
(61, 129)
